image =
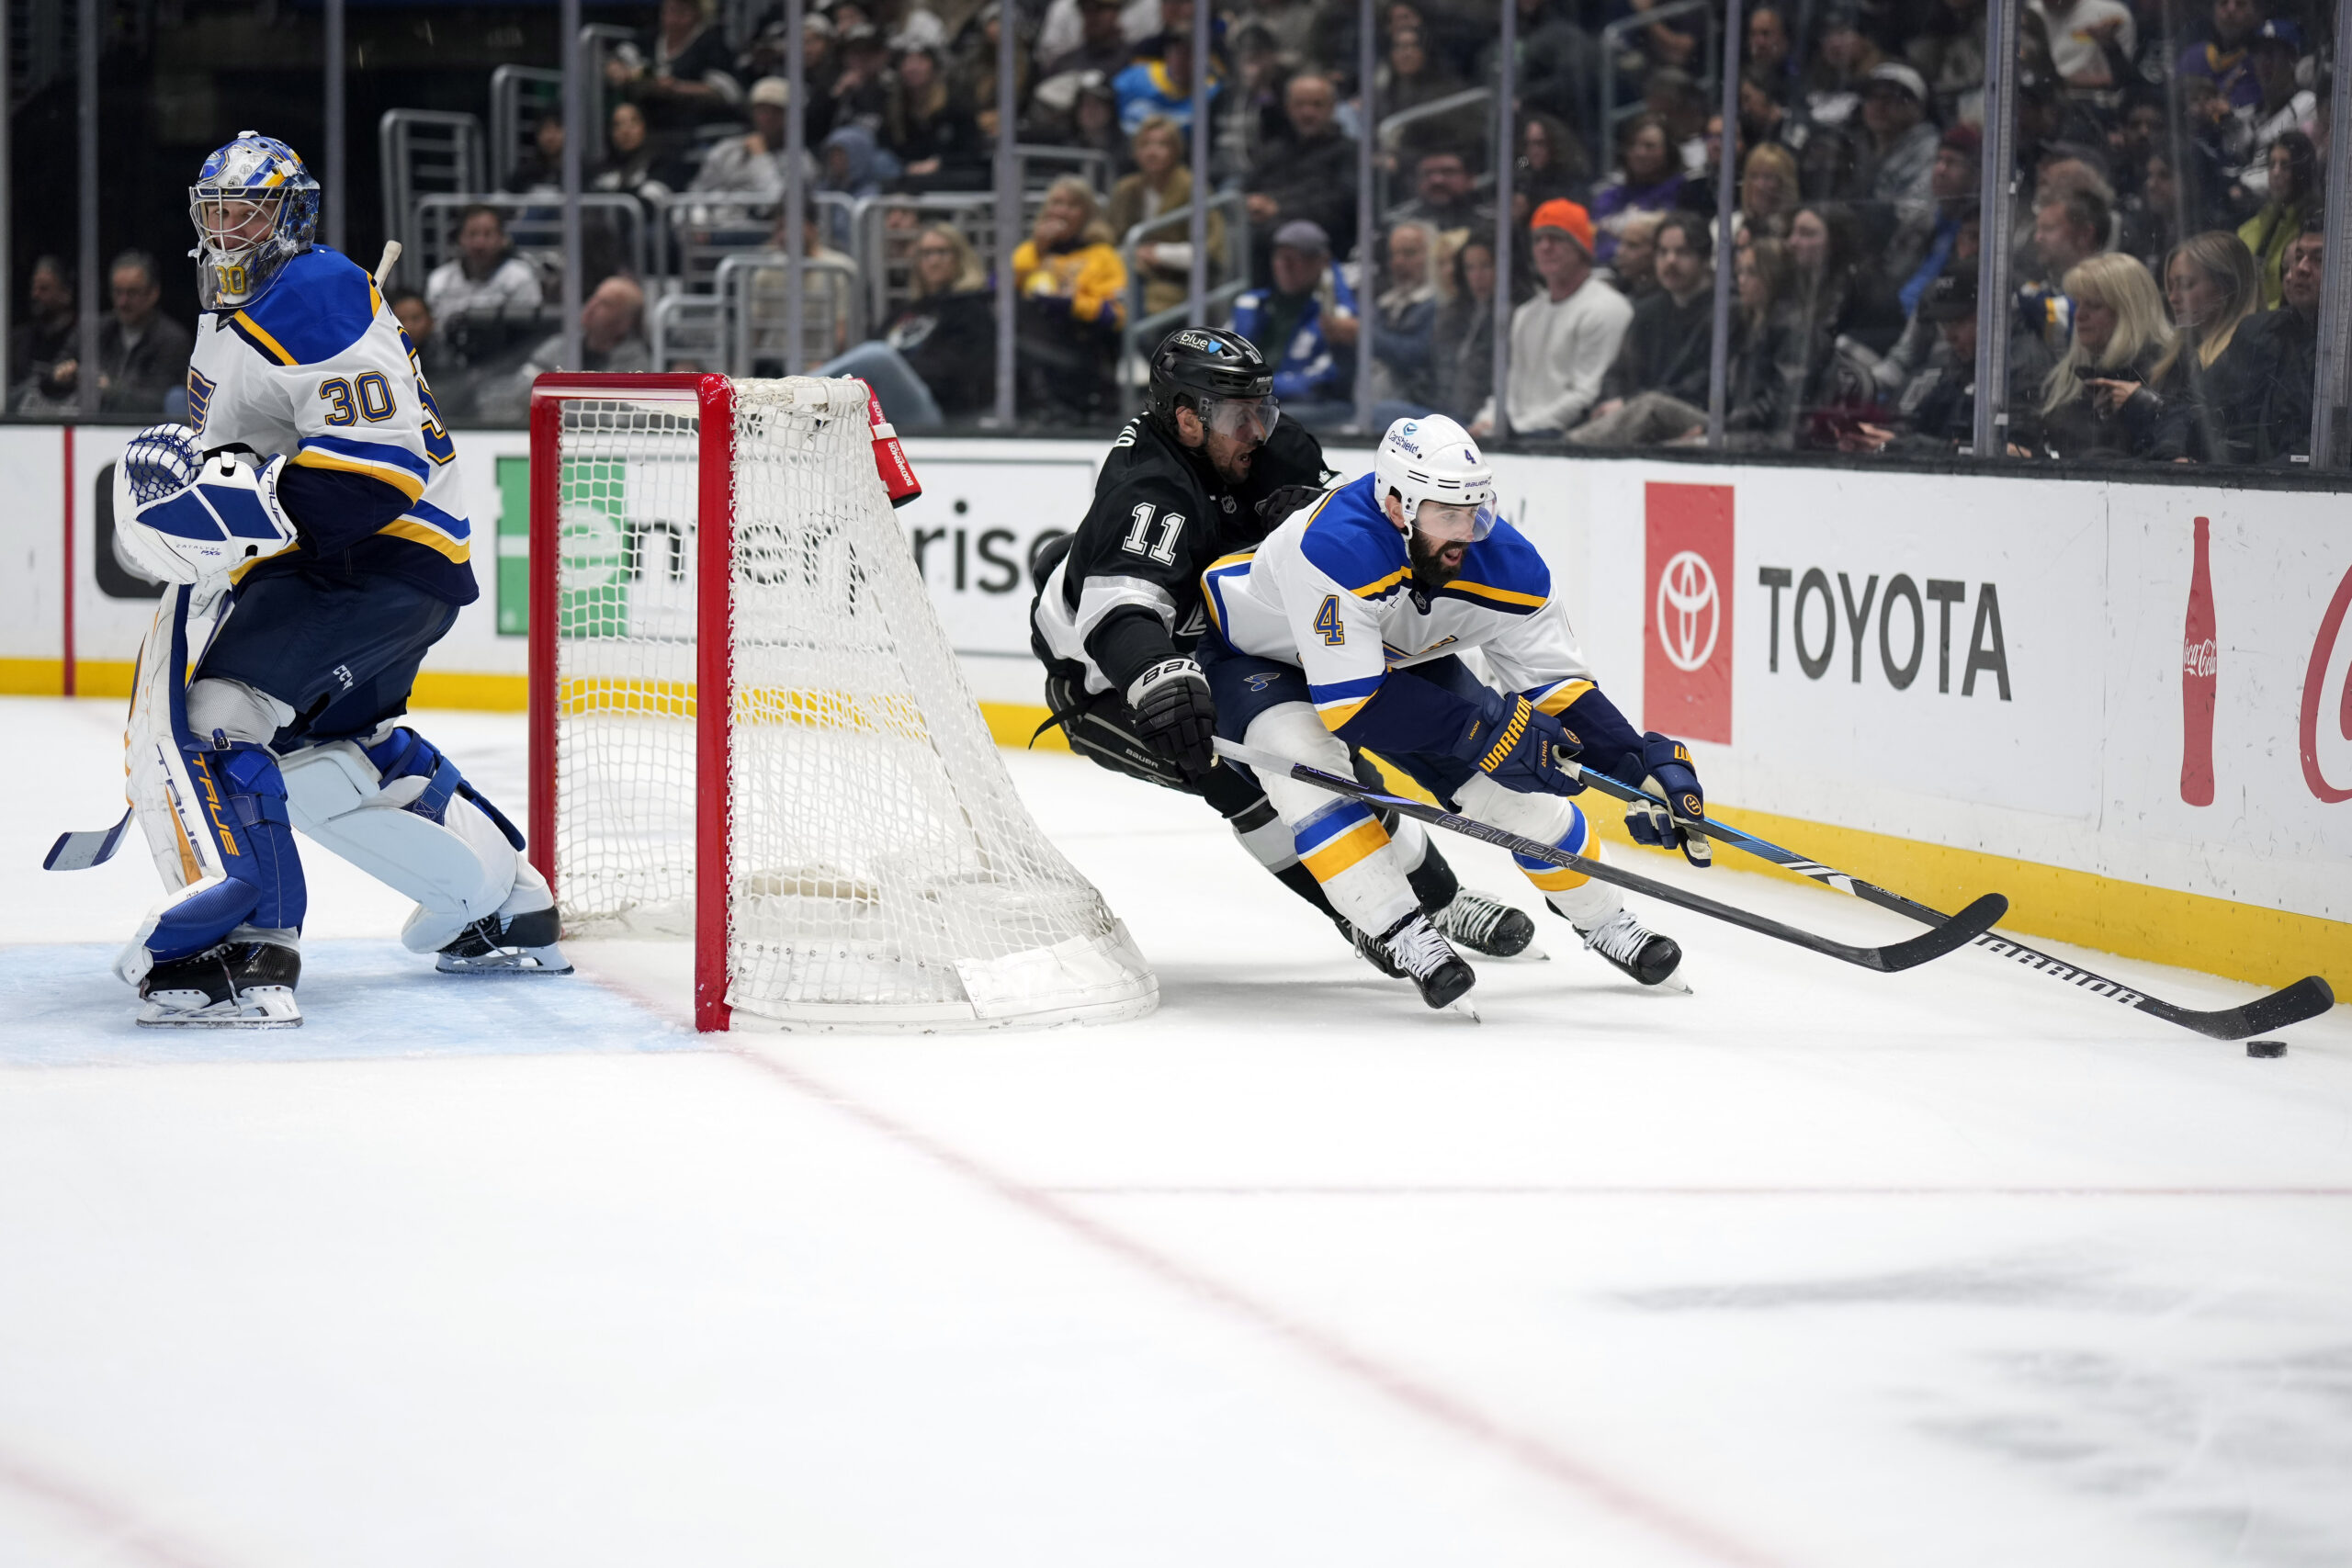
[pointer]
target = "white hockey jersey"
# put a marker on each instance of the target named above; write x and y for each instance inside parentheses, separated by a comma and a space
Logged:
(1331, 591)
(320, 370)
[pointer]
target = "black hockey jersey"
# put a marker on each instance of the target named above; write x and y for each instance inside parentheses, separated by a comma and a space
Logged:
(1126, 593)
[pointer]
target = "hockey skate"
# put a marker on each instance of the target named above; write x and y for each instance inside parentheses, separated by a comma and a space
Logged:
(1415, 947)
(518, 944)
(237, 984)
(1640, 953)
(1484, 925)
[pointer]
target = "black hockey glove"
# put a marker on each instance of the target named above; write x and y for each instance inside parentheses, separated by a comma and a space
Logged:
(1676, 825)
(1521, 746)
(1175, 714)
(1285, 501)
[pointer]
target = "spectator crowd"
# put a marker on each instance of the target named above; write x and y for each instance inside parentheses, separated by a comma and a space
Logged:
(2170, 166)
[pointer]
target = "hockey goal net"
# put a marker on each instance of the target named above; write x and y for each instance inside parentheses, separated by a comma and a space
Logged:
(748, 729)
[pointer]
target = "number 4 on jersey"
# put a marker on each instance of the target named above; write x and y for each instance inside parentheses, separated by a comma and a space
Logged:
(1328, 621)
(1171, 527)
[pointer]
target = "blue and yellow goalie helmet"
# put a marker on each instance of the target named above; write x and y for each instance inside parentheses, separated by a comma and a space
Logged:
(255, 206)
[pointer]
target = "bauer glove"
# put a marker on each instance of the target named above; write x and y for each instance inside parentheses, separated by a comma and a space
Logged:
(1679, 824)
(1521, 746)
(1175, 714)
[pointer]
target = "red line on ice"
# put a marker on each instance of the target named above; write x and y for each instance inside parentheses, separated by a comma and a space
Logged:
(116, 1528)
(1457, 1416)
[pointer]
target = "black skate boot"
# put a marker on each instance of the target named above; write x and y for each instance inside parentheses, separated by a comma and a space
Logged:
(242, 983)
(1484, 925)
(1368, 947)
(518, 944)
(1414, 946)
(1643, 954)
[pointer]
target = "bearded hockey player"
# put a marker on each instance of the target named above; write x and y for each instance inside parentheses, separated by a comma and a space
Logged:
(314, 523)
(1347, 630)
(1206, 470)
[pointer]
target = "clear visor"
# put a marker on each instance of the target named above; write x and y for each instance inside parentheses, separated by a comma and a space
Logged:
(1444, 522)
(232, 221)
(1244, 419)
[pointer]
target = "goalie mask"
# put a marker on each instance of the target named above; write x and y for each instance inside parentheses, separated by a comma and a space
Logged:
(255, 208)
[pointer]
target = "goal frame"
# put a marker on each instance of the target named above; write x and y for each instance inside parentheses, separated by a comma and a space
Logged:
(713, 398)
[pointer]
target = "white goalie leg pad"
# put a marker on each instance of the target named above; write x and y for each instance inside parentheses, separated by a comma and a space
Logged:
(1551, 819)
(1339, 840)
(457, 873)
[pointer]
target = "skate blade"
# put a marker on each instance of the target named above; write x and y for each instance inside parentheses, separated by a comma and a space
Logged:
(1674, 985)
(532, 960)
(261, 1007)
(1466, 1009)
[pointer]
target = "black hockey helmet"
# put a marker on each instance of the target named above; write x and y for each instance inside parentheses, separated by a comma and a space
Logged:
(1198, 366)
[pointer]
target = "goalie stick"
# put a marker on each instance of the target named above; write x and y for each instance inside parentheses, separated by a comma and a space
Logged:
(1957, 933)
(2306, 998)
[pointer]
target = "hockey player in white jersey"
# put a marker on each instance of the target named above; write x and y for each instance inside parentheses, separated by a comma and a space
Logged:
(1346, 631)
(311, 517)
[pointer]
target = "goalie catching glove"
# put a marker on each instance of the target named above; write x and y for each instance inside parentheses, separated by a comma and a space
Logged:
(185, 514)
(1175, 714)
(1679, 824)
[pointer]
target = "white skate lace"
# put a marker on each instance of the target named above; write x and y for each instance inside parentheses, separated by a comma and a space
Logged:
(1472, 917)
(1620, 936)
(1418, 948)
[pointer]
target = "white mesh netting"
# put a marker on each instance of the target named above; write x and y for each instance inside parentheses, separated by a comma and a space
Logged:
(883, 869)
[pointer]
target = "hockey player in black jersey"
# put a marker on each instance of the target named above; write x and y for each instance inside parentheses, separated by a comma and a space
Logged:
(1207, 471)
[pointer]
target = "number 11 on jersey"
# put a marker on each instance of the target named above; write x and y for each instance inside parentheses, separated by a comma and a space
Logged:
(1171, 527)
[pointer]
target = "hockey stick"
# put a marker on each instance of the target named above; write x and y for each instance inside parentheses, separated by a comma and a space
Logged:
(2306, 998)
(92, 846)
(1957, 933)
(384, 265)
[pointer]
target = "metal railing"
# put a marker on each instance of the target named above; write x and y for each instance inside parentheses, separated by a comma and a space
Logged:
(752, 291)
(593, 47)
(1090, 164)
(534, 227)
(1608, 114)
(1143, 330)
(424, 152)
(520, 96)
(885, 244)
(741, 326)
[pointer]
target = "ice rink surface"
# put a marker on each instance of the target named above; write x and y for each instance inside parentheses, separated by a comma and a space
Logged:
(1813, 1268)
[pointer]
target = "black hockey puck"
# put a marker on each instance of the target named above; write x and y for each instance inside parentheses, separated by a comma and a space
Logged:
(2266, 1047)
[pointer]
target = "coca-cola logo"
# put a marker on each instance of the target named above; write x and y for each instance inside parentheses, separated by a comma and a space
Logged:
(2320, 687)
(2200, 658)
(1689, 617)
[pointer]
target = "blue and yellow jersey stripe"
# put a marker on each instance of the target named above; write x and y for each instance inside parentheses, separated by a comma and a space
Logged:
(1339, 701)
(1560, 697)
(395, 466)
(1337, 838)
(436, 530)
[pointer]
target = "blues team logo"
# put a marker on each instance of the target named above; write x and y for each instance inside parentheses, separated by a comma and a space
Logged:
(1259, 682)
(200, 398)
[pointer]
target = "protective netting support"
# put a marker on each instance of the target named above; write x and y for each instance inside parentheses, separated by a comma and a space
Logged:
(880, 868)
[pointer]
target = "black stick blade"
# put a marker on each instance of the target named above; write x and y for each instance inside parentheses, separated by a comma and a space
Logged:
(1954, 933)
(2306, 998)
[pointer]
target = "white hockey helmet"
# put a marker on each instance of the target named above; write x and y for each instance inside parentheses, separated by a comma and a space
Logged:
(1434, 459)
